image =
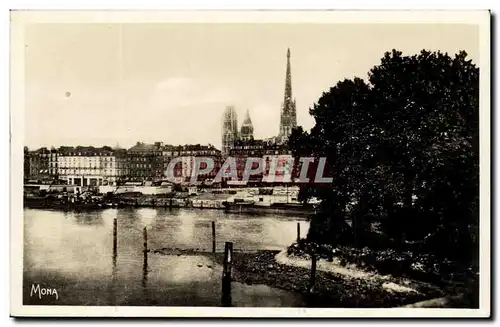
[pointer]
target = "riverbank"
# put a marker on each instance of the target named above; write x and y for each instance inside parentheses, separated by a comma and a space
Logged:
(331, 289)
(202, 201)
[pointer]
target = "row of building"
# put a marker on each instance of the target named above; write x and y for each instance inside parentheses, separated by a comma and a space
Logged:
(142, 163)
(92, 166)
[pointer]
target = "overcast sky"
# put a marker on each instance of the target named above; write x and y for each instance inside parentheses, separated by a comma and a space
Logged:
(100, 84)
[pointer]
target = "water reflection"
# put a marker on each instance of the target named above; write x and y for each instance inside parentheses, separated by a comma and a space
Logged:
(84, 218)
(99, 262)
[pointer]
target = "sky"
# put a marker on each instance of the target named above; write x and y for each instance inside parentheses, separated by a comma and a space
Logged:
(116, 84)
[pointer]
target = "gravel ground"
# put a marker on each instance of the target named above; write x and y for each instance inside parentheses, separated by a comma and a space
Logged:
(334, 290)
(330, 290)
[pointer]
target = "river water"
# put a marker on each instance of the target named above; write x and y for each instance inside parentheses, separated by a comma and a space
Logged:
(72, 253)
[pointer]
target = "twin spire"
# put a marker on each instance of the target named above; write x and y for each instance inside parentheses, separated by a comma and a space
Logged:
(288, 118)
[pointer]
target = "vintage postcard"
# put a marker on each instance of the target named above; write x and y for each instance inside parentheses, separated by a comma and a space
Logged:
(250, 163)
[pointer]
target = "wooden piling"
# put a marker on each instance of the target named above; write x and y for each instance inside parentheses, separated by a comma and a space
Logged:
(213, 237)
(115, 238)
(112, 285)
(115, 245)
(312, 280)
(145, 238)
(298, 232)
(145, 264)
(226, 274)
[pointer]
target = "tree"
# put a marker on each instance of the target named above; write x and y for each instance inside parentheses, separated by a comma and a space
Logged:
(428, 108)
(340, 136)
(403, 148)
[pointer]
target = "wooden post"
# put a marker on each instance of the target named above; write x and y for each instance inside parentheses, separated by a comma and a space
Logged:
(112, 285)
(115, 246)
(115, 232)
(145, 250)
(313, 272)
(226, 274)
(298, 232)
(213, 237)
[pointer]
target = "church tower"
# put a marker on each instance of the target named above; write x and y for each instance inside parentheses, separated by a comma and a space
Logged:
(246, 132)
(288, 118)
(229, 129)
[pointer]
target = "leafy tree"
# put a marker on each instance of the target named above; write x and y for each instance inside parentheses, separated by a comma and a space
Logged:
(428, 108)
(403, 148)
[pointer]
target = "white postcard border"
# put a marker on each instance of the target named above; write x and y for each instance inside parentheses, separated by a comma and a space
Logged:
(19, 19)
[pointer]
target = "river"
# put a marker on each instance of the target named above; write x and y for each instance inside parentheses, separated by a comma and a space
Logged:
(72, 253)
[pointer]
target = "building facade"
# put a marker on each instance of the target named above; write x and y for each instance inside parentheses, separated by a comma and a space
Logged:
(26, 164)
(270, 153)
(89, 166)
(53, 171)
(144, 162)
(37, 165)
(185, 156)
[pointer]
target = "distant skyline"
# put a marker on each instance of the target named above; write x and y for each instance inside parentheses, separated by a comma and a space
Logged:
(108, 84)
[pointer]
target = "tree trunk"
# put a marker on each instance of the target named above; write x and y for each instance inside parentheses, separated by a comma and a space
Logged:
(409, 179)
(358, 218)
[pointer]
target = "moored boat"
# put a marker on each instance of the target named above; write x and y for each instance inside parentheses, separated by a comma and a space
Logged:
(296, 209)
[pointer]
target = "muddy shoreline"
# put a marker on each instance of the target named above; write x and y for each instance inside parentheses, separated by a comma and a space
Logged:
(330, 290)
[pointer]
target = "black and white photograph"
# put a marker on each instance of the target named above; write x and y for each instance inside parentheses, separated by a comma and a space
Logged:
(250, 164)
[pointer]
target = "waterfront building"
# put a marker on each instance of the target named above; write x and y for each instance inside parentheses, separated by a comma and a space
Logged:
(38, 165)
(183, 170)
(53, 171)
(26, 164)
(119, 167)
(89, 166)
(144, 162)
(268, 151)
(169, 152)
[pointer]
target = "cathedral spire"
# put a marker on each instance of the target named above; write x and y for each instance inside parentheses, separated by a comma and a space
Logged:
(288, 119)
(288, 81)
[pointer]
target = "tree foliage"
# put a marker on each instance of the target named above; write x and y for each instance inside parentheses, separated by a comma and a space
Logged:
(402, 148)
